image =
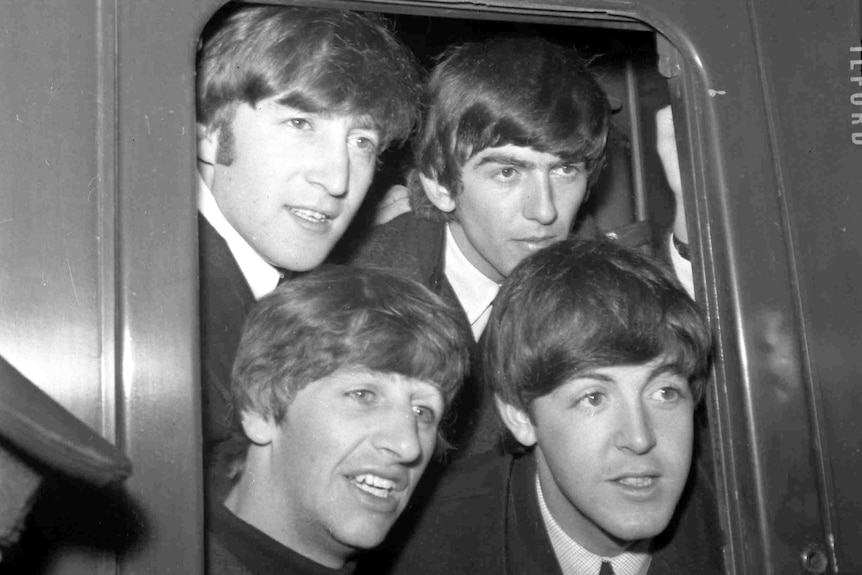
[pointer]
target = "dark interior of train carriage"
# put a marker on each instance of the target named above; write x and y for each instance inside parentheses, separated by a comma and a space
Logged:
(624, 58)
(632, 187)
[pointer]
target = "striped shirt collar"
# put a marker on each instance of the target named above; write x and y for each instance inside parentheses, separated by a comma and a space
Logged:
(575, 560)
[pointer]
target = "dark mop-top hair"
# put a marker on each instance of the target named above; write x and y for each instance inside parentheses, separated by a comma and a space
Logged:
(584, 304)
(526, 92)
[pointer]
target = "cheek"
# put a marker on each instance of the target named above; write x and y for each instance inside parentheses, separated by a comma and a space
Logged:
(575, 482)
(242, 183)
(313, 434)
(677, 435)
(485, 222)
(429, 443)
(483, 205)
(568, 442)
(362, 171)
(569, 205)
(359, 184)
(417, 470)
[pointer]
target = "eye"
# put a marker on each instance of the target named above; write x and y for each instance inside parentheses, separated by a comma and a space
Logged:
(671, 394)
(425, 414)
(591, 400)
(364, 396)
(569, 170)
(299, 123)
(366, 144)
(507, 173)
(671, 391)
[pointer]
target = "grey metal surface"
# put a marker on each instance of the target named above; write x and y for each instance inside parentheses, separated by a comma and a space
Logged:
(97, 250)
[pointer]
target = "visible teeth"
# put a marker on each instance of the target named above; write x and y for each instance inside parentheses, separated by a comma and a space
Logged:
(381, 493)
(637, 481)
(377, 486)
(375, 481)
(316, 217)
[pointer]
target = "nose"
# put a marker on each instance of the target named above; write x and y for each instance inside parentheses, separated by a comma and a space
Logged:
(540, 205)
(330, 165)
(635, 433)
(398, 436)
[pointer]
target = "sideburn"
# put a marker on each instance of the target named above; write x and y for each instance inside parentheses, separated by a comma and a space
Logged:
(226, 145)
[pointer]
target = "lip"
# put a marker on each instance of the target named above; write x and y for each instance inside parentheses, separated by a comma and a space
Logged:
(397, 484)
(399, 478)
(640, 485)
(537, 242)
(312, 216)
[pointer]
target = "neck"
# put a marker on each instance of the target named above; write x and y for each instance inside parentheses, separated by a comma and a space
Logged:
(207, 172)
(462, 243)
(575, 526)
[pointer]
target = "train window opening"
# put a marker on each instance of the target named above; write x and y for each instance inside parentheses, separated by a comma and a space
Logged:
(632, 186)
(624, 57)
(621, 52)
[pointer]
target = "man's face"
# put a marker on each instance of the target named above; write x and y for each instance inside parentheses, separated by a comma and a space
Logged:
(514, 201)
(613, 450)
(296, 179)
(345, 460)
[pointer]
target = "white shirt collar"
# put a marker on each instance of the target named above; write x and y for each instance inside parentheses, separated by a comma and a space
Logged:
(475, 290)
(262, 277)
(575, 560)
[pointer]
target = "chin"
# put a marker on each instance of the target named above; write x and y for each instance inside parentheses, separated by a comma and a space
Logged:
(300, 264)
(641, 528)
(363, 536)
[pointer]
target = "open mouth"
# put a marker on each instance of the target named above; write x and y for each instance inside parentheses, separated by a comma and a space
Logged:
(376, 486)
(309, 215)
(639, 482)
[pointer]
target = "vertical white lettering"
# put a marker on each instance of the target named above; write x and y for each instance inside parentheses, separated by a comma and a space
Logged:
(856, 99)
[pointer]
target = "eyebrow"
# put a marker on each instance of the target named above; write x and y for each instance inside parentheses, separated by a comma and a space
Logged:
(511, 160)
(299, 101)
(426, 396)
(507, 159)
(365, 122)
(665, 368)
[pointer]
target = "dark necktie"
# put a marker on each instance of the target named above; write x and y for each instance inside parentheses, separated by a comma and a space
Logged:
(607, 568)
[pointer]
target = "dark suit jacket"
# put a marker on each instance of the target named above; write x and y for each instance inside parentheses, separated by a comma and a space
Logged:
(225, 301)
(484, 518)
(415, 247)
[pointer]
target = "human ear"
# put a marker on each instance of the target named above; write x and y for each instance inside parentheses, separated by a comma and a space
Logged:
(518, 421)
(437, 193)
(259, 428)
(208, 140)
